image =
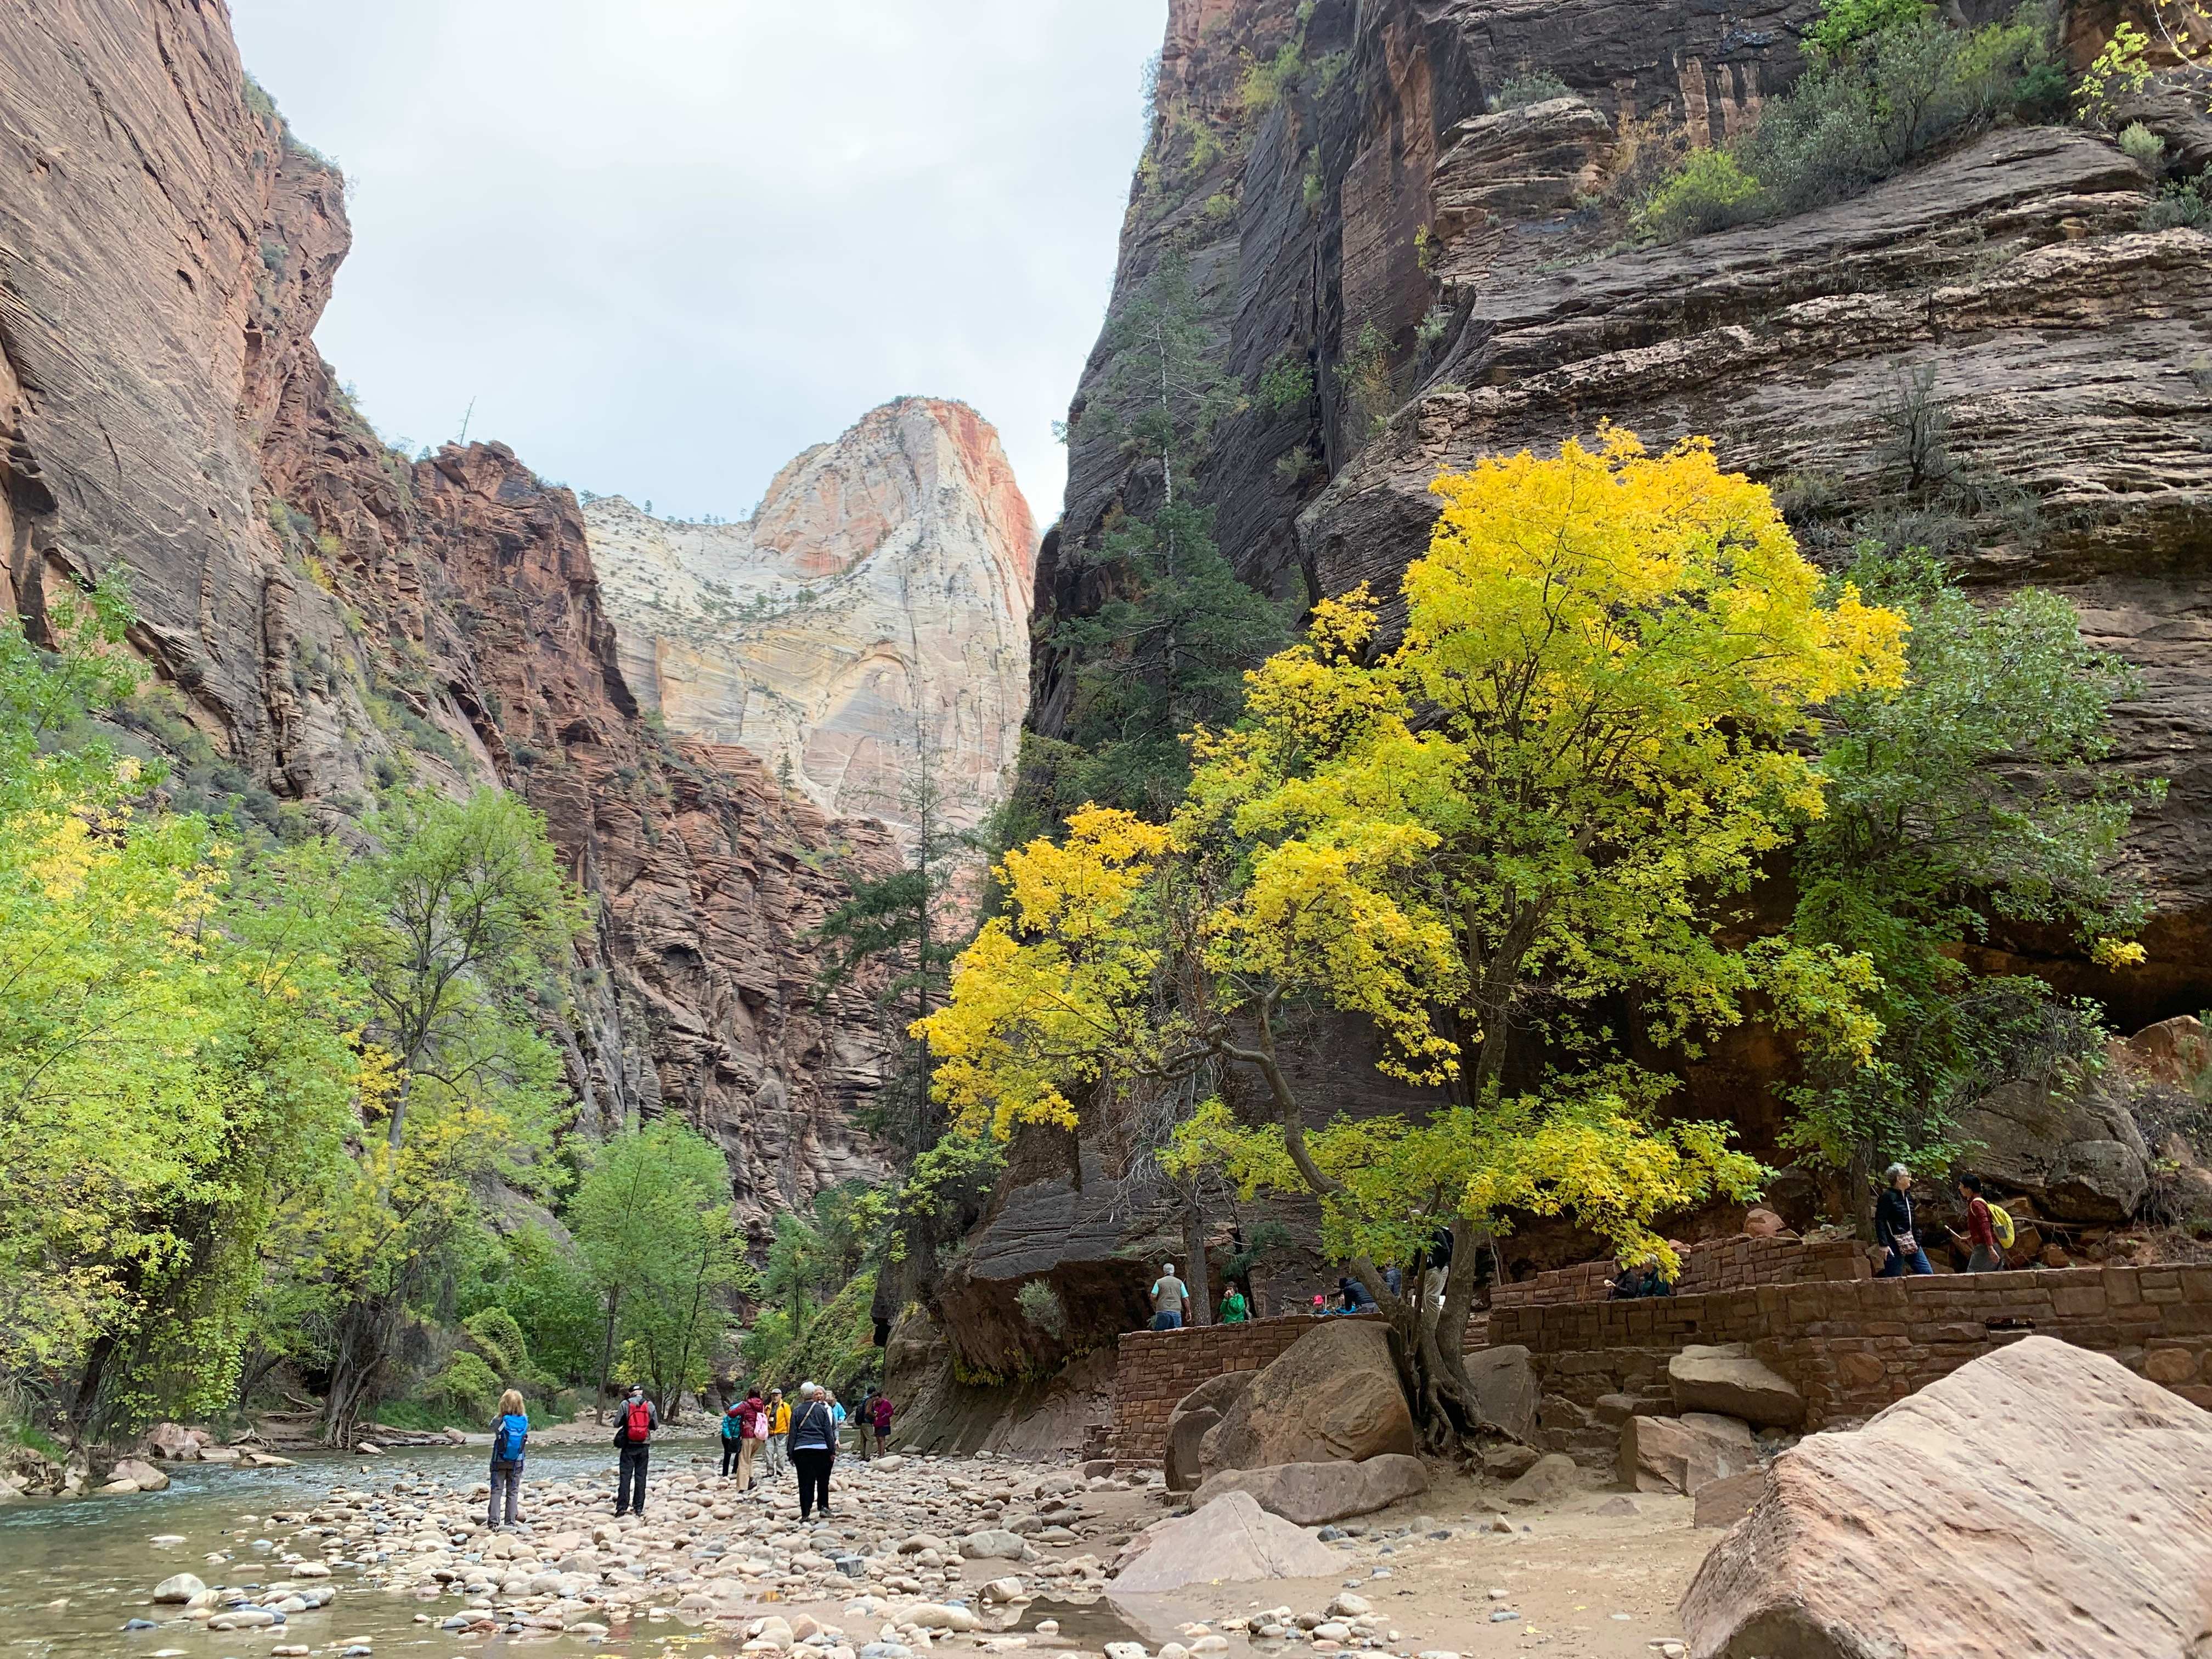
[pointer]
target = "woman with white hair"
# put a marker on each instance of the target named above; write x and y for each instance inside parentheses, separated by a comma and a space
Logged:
(813, 1448)
(1892, 1227)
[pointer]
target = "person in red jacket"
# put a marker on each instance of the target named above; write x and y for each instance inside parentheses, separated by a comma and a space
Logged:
(879, 1413)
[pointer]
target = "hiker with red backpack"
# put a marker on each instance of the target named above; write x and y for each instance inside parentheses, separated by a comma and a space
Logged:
(633, 1427)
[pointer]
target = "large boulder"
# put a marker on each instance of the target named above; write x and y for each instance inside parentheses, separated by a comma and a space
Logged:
(1506, 1388)
(140, 1475)
(174, 1441)
(1193, 1414)
(2044, 1499)
(1232, 1540)
(1332, 1394)
(1729, 1381)
(2069, 1143)
(1551, 1478)
(1312, 1494)
(1683, 1453)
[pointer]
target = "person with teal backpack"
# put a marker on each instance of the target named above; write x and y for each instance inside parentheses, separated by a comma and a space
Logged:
(510, 1433)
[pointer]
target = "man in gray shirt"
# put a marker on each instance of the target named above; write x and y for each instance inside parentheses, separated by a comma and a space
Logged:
(1169, 1297)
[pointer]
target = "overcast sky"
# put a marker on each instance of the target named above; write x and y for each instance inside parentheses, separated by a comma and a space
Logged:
(665, 245)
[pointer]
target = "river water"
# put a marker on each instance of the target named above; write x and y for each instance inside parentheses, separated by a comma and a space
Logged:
(72, 1571)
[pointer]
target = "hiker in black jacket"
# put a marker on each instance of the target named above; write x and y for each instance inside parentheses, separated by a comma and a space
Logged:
(1892, 1227)
(634, 1422)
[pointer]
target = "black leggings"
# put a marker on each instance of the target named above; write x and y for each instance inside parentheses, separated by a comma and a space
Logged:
(813, 1464)
(730, 1450)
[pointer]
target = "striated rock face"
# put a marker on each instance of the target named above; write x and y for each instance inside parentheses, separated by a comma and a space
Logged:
(872, 614)
(333, 616)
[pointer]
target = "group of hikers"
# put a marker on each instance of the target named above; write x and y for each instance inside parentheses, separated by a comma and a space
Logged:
(754, 1430)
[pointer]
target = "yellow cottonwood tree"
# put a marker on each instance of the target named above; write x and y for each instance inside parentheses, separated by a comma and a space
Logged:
(1542, 801)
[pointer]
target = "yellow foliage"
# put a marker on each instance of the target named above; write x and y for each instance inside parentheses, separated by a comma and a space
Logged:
(1593, 731)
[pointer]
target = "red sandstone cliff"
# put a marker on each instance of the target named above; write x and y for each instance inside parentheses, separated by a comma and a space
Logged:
(328, 609)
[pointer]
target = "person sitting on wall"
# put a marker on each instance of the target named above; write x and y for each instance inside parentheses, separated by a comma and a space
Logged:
(1355, 1298)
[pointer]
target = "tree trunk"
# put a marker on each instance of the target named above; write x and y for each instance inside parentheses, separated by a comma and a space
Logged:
(1430, 1348)
(606, 1355)
(1195, 1268)
(354, 1370)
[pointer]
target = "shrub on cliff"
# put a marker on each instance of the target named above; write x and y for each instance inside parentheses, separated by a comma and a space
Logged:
(1888, 84)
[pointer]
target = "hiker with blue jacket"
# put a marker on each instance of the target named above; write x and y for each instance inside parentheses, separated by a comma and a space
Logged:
(510, 1433)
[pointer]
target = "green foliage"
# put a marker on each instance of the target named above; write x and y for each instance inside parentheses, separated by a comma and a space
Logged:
(652, 1218)
(1265, 81)
(551, 1295)
(496, 1337)
(171, 1061)
(837, 1348)
(1845, 23)
(1975, 793)
(1365, 380)
(1527, 87)
(2121, 70)
(1168, 647)
(2139, 144)
(1040, 1305)
(1708, 191)
(1899, 81)
(1287, 383)
(2184, 204)
(467, 1385)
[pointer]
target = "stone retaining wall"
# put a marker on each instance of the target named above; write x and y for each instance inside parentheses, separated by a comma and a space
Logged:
(1851, 1347)
(1720, 1264)
(1158, 1367)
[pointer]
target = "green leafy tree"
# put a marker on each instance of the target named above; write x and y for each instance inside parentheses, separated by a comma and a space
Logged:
(455, 927)
(652, 1218)
(169, 1052)
(1973, 794)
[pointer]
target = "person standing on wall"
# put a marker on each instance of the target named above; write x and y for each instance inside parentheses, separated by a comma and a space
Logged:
(813, 1449)
(510, 1433)
(779, 1435)
(1892, 1227)
(633, 1427)
(1171, 1296)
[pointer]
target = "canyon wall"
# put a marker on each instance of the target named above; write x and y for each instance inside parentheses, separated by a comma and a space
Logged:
(870, 618)
(324, 616)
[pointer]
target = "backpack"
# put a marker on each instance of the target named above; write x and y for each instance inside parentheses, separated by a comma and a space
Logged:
(639, 1422)
(2000, 1225)
(507, 1445)
(733, 1424)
